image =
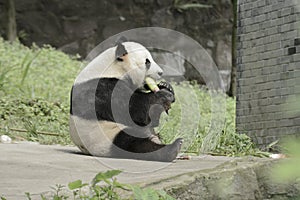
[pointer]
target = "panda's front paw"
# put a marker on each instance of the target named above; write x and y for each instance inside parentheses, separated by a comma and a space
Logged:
(166, 85)
(165, 98)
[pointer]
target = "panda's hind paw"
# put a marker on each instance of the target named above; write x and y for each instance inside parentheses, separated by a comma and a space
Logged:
(174, 149)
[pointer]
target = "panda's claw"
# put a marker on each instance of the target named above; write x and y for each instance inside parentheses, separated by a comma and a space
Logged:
(165, 85)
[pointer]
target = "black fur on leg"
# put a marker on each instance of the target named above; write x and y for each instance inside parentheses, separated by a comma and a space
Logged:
(127, 145)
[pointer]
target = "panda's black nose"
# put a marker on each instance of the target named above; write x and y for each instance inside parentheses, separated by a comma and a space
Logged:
(160, 73)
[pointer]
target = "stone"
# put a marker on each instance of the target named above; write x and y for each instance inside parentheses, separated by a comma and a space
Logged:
(210, 44)
(163, 18)
(297, 41)
(226, 78)
(114, 26)
(223, 55)
(291, 50)
(171, 63)
(5, 139)
(67, 23)
(70, 47)
(79, 28)
(164, 3)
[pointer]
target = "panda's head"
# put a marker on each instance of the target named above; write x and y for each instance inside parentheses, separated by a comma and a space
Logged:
(137, 62)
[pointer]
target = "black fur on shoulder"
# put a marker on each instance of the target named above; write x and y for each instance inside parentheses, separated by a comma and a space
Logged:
(110, 99)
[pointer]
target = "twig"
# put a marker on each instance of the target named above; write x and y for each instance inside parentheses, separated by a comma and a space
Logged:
(38, 132)
(216, 154)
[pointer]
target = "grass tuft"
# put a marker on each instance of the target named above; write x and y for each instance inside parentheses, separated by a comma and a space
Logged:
(206, 121)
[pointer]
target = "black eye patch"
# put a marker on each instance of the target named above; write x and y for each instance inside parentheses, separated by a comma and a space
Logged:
(148, 63)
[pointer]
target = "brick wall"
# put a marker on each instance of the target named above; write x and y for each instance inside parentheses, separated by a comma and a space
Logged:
(268, 69)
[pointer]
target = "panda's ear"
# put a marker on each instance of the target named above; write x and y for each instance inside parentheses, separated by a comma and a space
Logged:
(120, 52)
(121, 40)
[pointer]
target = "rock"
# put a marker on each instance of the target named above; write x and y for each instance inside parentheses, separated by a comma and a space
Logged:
(223, 55)
(210, 52)
(68, 25)
(210, 44)
(226, 78)
(239, 179)
(163, 18)
(79, 28)
(71, 47)
(171, 63)
(5, 139)
(144, 2)
(164, 3)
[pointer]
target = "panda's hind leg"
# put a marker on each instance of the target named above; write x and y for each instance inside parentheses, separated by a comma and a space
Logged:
(126, 145)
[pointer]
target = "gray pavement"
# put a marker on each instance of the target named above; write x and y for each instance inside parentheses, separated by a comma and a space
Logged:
(26, 167)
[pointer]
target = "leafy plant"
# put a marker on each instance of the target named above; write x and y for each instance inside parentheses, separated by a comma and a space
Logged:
(3, 74)
(58, 193)
(104, 186)
(34, 92)
(41, 121)
(289, 170)
(27, 63)
(37, 72)
(185, 121)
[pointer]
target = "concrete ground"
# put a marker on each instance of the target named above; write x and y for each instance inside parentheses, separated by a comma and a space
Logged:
(33, 168)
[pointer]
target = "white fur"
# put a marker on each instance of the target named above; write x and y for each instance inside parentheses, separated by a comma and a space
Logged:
(106, 65)
(95, 137)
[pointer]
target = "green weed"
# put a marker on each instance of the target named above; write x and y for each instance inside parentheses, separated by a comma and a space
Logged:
(36, 72)
(104, 186)
(191, 119)
(34, 92)
(26, 64)
(38, 118)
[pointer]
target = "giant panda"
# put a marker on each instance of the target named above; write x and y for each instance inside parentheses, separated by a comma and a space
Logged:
(111, 116)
